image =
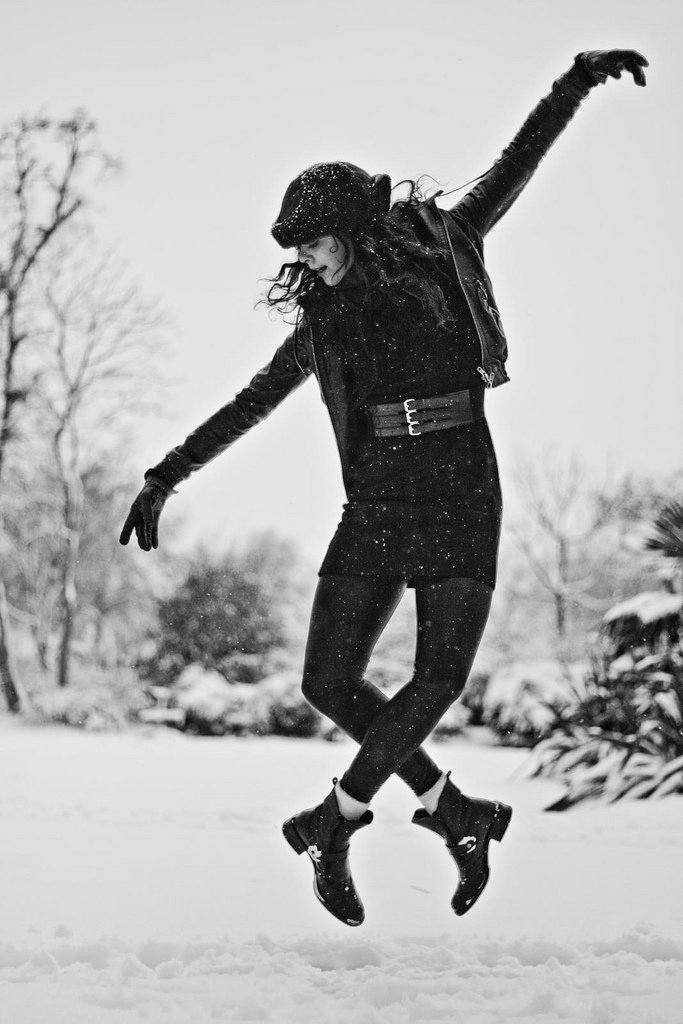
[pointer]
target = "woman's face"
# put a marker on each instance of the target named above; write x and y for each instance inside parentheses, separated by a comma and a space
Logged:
(327, 256)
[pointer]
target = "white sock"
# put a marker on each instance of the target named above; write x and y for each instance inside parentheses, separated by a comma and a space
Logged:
(430, 799)
(348, 806)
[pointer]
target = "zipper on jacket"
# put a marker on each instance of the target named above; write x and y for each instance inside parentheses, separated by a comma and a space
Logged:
(315, 368)
(487, 377)
(491, 310)
(306, 373)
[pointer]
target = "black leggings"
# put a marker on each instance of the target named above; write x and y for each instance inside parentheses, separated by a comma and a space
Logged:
(349, 614)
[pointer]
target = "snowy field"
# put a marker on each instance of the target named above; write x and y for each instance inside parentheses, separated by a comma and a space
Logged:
(144, 879)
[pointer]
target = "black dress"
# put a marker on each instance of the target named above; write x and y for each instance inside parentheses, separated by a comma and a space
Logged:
(427, 505)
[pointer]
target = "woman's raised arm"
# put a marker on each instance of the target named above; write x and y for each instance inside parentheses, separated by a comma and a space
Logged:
(496, 190)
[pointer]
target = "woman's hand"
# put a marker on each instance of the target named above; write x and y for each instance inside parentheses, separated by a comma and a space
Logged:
(145, 512)
(602, 64)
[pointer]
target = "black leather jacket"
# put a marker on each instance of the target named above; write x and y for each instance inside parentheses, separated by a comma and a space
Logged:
(459, 232)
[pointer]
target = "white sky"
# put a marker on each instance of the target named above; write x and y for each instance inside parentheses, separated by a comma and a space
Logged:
(214, 105)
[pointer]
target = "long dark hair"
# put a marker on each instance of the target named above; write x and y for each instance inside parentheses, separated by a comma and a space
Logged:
(389, 263)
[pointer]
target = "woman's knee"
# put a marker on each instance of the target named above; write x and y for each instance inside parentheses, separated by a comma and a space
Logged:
(325, 690)
(313, 690)
(441, 685)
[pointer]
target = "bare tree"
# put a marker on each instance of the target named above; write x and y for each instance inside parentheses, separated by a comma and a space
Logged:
(582, 541)
(116, 596)
(27, 550)
(47, 168)
(99, 337)
(564, 517)
(114, 605)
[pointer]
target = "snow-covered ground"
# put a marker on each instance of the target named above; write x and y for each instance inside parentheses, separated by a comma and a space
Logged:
(143, 878)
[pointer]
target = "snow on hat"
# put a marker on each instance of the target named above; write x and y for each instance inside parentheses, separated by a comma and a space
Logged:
(328, 198)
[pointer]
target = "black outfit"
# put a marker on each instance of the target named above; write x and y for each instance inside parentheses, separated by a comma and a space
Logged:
(428, 505)
(422, 511)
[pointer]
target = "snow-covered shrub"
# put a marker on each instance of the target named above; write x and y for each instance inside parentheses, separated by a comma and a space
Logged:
(228, 615)
(289, 713)
(650, 620)
(214, 707)
(625, 738)
(96, 699)
(521, 700)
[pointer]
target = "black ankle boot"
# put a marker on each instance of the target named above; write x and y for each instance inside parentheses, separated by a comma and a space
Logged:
(467, 826)
(324, 833)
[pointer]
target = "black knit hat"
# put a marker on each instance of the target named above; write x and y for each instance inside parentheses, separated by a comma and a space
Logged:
(329, 198)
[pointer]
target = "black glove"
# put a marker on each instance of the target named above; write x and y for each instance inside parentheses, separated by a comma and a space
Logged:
(145, 512)
(601, 64)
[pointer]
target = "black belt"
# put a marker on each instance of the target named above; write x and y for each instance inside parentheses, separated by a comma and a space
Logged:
(416, 416)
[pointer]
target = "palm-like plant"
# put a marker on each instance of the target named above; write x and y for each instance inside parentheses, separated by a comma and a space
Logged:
(624, 735)
(624, 738)
(668, 537)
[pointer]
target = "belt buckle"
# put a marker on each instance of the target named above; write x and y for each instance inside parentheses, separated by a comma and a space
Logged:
(411, 423)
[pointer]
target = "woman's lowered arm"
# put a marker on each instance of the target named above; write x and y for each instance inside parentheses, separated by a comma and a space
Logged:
(287, 370)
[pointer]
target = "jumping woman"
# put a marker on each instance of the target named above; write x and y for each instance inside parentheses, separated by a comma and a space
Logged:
(395, 317)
